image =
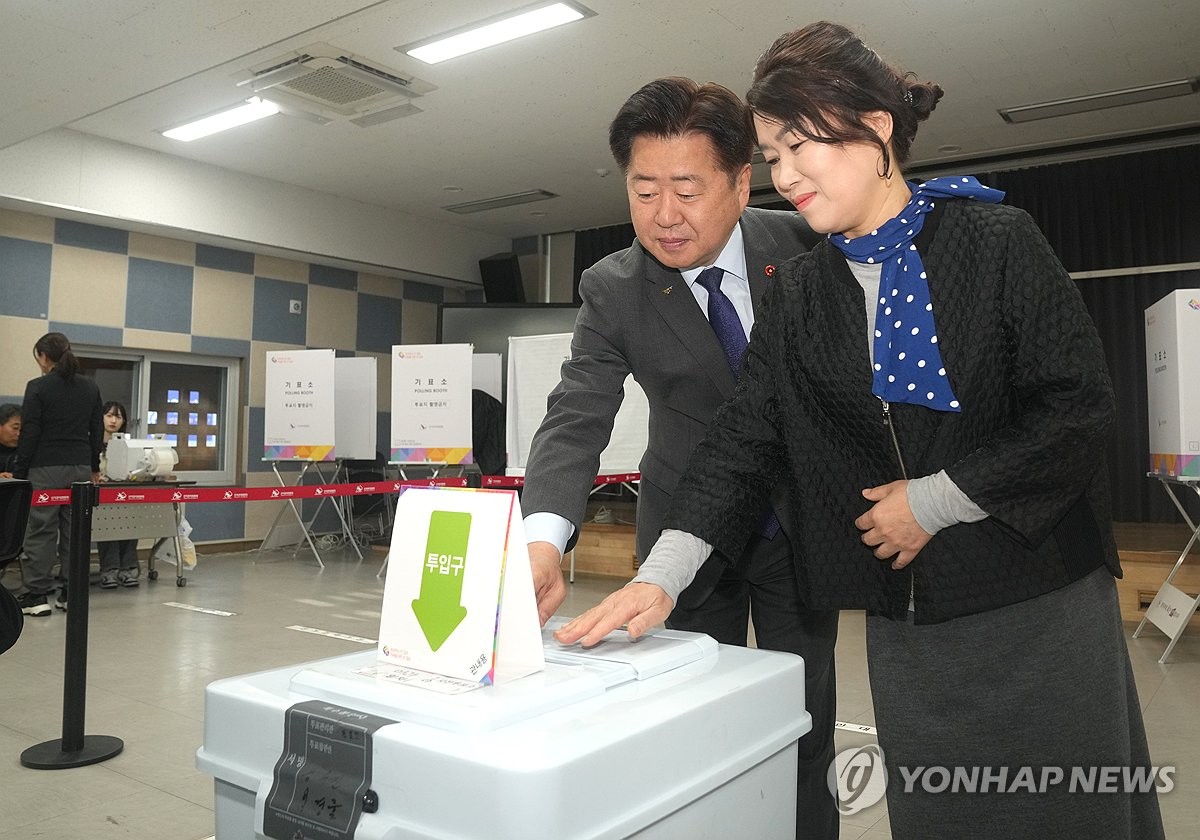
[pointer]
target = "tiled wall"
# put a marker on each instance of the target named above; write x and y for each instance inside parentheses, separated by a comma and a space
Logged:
(107, 287)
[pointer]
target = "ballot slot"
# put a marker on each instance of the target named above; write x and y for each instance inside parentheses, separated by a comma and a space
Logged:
(572, 674)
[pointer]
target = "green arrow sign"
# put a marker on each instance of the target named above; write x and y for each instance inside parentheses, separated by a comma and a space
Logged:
(439, 608)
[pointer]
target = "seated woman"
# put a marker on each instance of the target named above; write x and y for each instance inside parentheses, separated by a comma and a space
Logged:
(118, 558)
(10, 433)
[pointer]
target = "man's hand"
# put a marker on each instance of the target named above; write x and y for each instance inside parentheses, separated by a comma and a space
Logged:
(889, 525)
(548, 586)
(638, 605)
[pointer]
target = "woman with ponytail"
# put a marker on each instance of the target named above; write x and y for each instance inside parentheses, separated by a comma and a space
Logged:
(62, 433)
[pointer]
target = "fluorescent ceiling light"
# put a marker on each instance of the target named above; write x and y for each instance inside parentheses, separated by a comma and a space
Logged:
(1098, 101)
(253, 109)
(496, 30)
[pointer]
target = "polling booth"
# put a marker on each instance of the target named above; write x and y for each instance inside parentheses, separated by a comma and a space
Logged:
(431, 405)
(1173, 383)
(319, 413)
(468, 720)
(1173, 398)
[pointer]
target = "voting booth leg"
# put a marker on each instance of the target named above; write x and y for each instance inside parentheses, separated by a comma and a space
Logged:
(347, 533)
(295, 512)
(1172, 609)
(75, 749)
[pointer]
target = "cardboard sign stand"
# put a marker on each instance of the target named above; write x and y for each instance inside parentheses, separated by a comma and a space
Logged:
(459, 600)
(1172, 609)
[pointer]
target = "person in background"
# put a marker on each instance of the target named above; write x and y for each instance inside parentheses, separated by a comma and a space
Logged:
(61, 439)
(118, 558)
(930, 380)
(10, 433)
(674, 310)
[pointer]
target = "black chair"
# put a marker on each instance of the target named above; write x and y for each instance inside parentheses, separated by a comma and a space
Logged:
(487, 433)
(15, 499)
(370, 516)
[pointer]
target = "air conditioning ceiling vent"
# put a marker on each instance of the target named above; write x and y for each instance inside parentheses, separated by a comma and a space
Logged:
(332, 84)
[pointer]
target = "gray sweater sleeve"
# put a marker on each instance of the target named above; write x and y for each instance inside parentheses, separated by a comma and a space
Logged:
(937, 503)
(673, 562)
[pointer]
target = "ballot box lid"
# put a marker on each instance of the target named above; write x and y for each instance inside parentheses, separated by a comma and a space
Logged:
(571, 674)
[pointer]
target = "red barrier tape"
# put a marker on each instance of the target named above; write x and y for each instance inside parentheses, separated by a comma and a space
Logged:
(519, 480)
(152, 494)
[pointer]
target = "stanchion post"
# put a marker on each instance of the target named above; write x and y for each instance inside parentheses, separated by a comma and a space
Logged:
(75, 749)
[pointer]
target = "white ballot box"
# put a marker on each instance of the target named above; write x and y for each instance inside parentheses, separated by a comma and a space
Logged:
(1173, 383)
(672, 736)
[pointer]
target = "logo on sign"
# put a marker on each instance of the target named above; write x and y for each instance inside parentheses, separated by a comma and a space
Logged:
(43, 497)
(274, 494)
(228, 494)
(176, 496)
(121, 496)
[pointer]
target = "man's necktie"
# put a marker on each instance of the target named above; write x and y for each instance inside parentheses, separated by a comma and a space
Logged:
(724, 320)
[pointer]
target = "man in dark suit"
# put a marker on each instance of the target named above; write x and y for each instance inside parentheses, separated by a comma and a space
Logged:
(674, 310)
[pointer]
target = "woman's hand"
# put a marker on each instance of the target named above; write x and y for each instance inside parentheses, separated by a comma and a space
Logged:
(889, 525)
(638, 607)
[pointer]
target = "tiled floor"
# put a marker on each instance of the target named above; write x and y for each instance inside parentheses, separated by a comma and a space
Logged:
(148, 663)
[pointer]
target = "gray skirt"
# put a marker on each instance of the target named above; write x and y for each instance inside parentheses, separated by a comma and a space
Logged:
(963, 706)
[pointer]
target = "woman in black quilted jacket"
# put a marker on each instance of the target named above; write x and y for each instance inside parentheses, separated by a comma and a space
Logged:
(929, 381)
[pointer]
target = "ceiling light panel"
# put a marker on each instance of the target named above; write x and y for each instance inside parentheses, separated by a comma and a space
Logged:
(495, 30)
(252, 109)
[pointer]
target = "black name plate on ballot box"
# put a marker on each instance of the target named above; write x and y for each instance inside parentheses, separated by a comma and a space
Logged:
(323, 777)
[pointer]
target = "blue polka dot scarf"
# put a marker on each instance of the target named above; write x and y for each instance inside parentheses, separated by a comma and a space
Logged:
(908, 366)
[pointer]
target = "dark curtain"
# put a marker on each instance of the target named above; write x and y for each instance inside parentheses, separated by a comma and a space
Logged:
(1123, 211)
(593, 245)
(1109, 213)
(1114, 212)
(1117, 305)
